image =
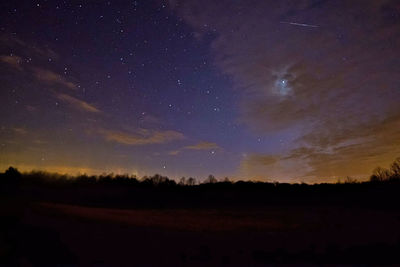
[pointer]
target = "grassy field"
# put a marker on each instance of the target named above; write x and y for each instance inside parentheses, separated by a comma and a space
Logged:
(50, 232)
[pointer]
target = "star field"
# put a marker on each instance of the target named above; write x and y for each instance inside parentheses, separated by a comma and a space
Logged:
(183, 88)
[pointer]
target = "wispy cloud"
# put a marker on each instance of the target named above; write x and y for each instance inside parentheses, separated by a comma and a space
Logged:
(354, 151)
(27, 49)
(324, 87)
(13, 61)
(143, 137)
(265, 160)
(52, 78)
(203, 146)
(174, 152)
(20, 130)
(31, 108)
(78, 104)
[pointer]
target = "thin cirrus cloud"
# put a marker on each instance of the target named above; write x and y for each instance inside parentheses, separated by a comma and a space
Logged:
(78, 104)
(29, 50)
(333, 86)
(174, 152)
(43, 75)
(13, 61)
(264, 160)
(52, 78)
(141, 137)
(20, 130)
(33, 55)
(204, 145)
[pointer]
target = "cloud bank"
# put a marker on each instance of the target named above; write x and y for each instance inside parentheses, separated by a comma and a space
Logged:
(335, 85)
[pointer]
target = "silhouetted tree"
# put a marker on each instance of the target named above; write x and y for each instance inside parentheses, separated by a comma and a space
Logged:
(226, 180)
(210, 179)
(84, 179)
(191, 181)
(182, 181)
(350, 180)
(379, 175)
(10, 180)
(395, 169)
(13, 173)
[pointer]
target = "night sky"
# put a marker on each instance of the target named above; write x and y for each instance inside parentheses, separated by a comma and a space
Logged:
(302, 90)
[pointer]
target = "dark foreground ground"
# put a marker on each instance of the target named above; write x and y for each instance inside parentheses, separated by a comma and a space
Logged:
(210, 225)
(53, 233)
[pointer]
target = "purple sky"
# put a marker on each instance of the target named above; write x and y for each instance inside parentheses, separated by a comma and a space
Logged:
(302, 90)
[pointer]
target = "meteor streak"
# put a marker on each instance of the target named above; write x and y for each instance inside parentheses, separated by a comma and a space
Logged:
(300, 24)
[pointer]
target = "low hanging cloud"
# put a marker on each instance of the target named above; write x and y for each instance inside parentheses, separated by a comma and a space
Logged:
(78, 104)
(334, 86)
(141, 136)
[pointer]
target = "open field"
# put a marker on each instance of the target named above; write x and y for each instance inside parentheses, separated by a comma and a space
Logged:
(110, 221)
(302, 234)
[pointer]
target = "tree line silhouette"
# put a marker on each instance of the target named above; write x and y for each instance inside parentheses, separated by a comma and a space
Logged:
(12, 175)
(160, 191)
(387, 175)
